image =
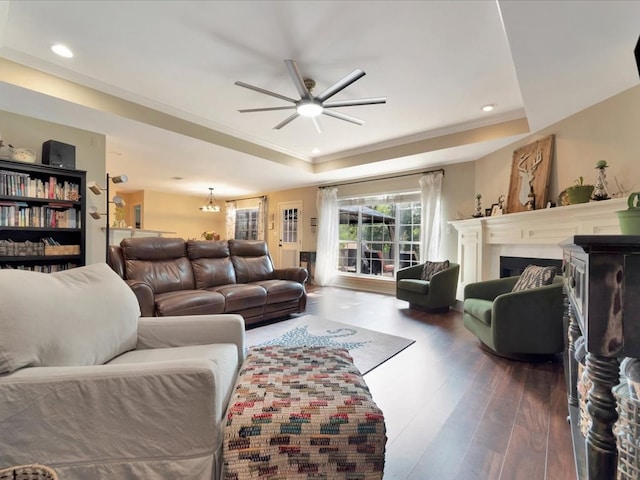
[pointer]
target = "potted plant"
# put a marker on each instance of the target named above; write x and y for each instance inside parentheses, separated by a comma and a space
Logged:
(630, 219)
(212, 235)
(580, 192)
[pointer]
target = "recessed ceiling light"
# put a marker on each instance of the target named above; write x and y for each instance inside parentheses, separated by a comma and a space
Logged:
(488, 108)
(177, 178)
(62, 50)
(315, 151)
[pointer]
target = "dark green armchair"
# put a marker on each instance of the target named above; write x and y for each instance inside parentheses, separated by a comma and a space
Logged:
(436, 295)
(522, 325)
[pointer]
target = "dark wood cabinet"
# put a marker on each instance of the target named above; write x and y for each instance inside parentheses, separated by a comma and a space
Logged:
(42, 214)
(602, 283)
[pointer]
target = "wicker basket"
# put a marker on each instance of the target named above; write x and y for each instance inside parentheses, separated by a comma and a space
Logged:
(583, 387)
(28, 472)
(62, 250)
(627, 432)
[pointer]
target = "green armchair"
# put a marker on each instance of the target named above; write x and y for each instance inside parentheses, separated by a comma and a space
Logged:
(521, 325)
(436, 295)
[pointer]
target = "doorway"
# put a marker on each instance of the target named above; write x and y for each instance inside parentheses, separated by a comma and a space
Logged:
(290, 234)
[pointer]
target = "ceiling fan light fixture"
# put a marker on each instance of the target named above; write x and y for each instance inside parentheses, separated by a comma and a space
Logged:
(309, 108)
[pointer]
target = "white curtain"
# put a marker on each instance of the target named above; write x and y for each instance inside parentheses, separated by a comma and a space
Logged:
(430, 233)
(327, 248)
(230, 220)
(262, 211)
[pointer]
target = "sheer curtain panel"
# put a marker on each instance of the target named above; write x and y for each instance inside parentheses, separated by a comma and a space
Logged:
(230, 220)
(430, 233)
(262, 212)
(327, 249)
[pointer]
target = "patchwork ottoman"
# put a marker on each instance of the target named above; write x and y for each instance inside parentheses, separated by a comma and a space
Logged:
(302, 413)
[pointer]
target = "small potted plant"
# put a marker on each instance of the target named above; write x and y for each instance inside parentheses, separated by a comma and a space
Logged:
(580, 192)
(629, 219)
(212, 235)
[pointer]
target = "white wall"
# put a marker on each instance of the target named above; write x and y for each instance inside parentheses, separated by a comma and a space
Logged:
(606, 131)
(27, 132)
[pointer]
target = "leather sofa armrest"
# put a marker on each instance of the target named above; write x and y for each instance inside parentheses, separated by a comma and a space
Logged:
(116, 260)
(296, 274)
(145, 295)
(490, 289)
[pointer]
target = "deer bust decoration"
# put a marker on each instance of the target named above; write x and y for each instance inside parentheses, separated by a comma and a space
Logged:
(527, 175)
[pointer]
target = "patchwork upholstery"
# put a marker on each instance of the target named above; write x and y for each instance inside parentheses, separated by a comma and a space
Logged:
(302, 413)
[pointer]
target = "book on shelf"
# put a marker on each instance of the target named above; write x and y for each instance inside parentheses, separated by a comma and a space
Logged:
(20, 184)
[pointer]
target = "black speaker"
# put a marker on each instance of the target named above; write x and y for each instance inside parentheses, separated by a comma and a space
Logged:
(637, 54)
(58, 154)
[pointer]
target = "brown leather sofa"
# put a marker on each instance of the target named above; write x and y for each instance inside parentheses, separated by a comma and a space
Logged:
(172, 277)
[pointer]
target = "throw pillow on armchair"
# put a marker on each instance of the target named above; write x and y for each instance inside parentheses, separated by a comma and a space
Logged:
(431, 268)
(534, 276)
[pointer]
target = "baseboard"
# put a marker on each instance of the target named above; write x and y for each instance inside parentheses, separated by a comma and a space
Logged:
(458, 306)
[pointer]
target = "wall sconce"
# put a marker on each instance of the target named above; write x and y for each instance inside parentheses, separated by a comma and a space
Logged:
(116, 200)
(211, 205)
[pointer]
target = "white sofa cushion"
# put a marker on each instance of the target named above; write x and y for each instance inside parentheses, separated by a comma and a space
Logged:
(82, 316)
(222, 358)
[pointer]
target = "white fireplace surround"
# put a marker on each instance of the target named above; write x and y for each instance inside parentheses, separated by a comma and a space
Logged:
(481, 241)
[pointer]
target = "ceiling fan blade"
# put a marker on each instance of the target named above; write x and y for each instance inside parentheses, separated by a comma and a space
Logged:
(266, 109)
(342, 116)
(353, 103)
(287, 120)
(341, 84)
(266, 92)
(316, 123)
(292, 66)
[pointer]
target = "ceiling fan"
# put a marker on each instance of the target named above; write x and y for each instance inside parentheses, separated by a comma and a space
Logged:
(313, 106)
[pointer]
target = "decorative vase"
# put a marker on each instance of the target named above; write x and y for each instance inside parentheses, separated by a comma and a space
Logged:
(630, 219)
(600, 190)
(531, 199)
(579, 194)
(478, 207)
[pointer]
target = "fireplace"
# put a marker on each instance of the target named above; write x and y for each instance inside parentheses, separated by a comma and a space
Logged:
(533, 236)
(511, 266)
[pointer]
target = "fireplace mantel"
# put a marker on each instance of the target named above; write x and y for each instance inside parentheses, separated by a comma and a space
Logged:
(536, 234)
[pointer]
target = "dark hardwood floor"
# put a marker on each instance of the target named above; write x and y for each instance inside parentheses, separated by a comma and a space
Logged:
(453, 411)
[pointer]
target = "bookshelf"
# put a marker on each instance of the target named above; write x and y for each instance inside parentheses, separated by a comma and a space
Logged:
(42, 210)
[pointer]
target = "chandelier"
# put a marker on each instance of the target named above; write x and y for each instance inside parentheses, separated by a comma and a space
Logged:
(211, 205)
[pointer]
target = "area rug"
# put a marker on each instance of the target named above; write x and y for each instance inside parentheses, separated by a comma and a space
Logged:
(367, 347)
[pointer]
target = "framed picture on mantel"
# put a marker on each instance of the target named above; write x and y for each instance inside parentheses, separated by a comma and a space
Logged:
(530, 171)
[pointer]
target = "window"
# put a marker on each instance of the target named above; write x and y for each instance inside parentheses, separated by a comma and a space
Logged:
(246, 224)
(377, 237)
(289, 227)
